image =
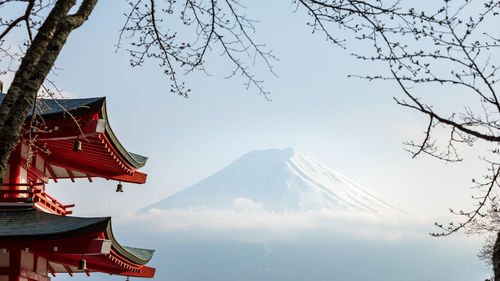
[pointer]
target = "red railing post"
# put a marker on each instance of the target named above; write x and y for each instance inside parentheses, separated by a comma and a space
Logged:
(34, 195)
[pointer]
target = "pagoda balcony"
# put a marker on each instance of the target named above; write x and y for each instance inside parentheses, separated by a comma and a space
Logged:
(32, 196)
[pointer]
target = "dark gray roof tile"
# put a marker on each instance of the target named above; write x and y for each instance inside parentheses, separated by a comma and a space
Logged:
(59, 106)
(20, 225)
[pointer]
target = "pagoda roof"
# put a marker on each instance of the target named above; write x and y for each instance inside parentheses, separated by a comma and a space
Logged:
(33, 225)
(102, 153)
(65, 240)
(29, 224)
(57, 108)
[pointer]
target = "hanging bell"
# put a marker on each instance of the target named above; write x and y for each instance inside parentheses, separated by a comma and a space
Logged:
(82, 264)
(77, 146)
(119, 187)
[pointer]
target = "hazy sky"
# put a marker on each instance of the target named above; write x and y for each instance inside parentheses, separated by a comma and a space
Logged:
(351, 125)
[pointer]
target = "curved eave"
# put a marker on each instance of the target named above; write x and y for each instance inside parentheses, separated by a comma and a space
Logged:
(134, 255)
(136, 161)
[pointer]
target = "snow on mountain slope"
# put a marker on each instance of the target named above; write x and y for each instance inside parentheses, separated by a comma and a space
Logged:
(279, 181)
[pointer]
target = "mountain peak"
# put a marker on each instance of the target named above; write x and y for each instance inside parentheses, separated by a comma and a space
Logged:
(273, 153)
(280, 180)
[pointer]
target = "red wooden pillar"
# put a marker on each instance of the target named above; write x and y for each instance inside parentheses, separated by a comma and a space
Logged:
(15, 265)
(15, 170)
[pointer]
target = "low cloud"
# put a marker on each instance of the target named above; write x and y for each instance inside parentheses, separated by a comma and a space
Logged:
(249, 241)
(248, 221)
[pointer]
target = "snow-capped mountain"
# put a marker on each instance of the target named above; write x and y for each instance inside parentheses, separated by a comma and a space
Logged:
(276, 180)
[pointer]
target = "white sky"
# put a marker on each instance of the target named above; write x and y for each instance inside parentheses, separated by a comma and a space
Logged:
(351, 125)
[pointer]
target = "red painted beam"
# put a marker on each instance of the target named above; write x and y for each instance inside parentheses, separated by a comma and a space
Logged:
(70, 174)
(97, 246)
(51, 172)
(102, 263)
(68, 270)
(145, 272)
(94, 263)
(137, 177)
(90, 128)
(84, 169)
(50, 269)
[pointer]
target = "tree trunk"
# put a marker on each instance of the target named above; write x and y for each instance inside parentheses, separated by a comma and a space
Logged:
(496, 258)
(35, 66)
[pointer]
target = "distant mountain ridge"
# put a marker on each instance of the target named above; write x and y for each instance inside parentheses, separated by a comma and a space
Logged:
(279, 181)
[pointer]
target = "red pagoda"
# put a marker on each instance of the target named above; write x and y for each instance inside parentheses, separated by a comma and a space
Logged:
(37, 237)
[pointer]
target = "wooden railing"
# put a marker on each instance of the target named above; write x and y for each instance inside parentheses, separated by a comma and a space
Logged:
(35, 195)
